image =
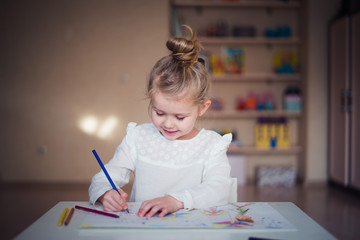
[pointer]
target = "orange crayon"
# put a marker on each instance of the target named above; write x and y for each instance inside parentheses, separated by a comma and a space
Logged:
(68, 219)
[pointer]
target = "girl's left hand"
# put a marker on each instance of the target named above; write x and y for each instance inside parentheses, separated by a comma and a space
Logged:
(164, 205)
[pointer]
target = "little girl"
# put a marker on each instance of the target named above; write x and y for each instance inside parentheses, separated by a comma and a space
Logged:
(176, 166)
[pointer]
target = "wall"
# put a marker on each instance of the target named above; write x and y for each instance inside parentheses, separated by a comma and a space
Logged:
(64, 62)
(319, 13)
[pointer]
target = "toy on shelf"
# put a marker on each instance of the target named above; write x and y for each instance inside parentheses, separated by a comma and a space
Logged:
(211, 30)
(260, 105)
(251, 101)
(269, 101)
(222, 29)
(233, 60)
(272, 133)
(292, 99)
(256, 102)
(278, 32)
(283, 133)
(219, 29)
(217, 104)
(216, 65)
(286, 62)
(240, 103)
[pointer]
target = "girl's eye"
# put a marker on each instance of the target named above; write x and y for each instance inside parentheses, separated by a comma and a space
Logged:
(180, 118)
(159, 113)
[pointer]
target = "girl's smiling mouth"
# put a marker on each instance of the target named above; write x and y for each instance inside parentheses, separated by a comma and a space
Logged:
(170, 132)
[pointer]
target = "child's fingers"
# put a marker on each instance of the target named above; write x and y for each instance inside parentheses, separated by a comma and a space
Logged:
(144, 208)
(163, 213)
(165, 205)
(152, 207)
(116, 203)
(112, 201)
(111, 204)
(110, 207)
(124, 206)
(155, 209)
(124, 196)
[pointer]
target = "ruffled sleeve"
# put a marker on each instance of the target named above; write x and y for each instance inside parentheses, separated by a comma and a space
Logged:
(223, 144)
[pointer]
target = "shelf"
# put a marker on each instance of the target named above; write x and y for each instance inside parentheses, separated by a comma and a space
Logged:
(250, 114)
(260, 14)
(256, 77)
(240, 4)
(247, 150)
(249, 40)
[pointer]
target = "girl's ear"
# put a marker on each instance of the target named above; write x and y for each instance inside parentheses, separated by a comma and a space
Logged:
(204, 107)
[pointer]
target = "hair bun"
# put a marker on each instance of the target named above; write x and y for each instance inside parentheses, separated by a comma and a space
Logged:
(185, 50)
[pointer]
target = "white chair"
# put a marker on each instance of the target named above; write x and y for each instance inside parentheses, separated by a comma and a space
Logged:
(233, 190)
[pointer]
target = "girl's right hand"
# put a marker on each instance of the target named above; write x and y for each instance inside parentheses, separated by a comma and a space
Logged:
(113, 201)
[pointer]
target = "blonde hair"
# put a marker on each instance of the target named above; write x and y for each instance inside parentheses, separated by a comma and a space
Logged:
(182, 72)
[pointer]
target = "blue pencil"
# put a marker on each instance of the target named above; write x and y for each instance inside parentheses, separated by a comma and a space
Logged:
(106, 173)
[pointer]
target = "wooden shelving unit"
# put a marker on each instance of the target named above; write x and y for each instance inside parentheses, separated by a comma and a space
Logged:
(256, 76)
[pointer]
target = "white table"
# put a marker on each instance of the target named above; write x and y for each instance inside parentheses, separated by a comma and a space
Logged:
(46, 228)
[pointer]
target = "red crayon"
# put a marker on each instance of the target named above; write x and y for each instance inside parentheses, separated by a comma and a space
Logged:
(97, 211)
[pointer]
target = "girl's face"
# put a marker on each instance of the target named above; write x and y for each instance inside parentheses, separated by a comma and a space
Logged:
(175, 118)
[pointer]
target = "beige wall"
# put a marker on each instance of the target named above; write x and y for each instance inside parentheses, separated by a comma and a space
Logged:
(319, 13)
(63, 60)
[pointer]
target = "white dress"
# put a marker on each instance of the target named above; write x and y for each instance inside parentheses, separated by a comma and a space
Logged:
(195, 171)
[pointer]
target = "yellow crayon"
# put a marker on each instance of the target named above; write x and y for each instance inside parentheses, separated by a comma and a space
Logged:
(61, 221)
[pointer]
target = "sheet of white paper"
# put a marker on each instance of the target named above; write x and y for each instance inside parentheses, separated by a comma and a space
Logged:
(263, 215)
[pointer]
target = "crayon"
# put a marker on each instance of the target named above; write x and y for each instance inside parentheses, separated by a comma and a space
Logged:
(68, 219)
(97, 211)
(61, 221)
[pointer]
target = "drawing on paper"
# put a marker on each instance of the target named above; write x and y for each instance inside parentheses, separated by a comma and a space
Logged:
(233, 224)
(213, 212)
(222, 217)
(177, 215)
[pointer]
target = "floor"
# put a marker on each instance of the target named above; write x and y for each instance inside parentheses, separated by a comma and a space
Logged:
(334, 208)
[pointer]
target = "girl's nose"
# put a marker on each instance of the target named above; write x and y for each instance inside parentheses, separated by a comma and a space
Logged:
(169, 123)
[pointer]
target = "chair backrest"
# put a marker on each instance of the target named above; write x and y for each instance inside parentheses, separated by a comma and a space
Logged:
(233, 190)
